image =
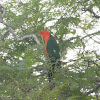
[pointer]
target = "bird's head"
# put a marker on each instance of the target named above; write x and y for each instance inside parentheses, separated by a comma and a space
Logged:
(44, 34)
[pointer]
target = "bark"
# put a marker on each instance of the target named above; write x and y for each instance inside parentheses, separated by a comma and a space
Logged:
(9, 29)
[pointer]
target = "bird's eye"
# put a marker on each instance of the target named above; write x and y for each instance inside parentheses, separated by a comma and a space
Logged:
(41, 32)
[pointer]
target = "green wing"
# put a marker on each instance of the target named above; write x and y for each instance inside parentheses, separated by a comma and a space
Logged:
(53, 48)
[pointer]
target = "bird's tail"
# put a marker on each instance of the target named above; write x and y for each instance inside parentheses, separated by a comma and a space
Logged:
(52, 69)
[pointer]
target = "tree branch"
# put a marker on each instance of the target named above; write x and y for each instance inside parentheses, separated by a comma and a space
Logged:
(93, 90)
(3, 11)
(91, 11)
(9, 29)
(83, 1)
(4, 35)
(93, 34)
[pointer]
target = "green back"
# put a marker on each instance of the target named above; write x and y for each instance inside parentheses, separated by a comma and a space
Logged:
(53, 48)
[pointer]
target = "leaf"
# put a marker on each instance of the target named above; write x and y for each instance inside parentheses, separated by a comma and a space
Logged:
(74, 86)
(73, 98)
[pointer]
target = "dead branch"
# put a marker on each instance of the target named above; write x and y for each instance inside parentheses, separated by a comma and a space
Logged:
(9, 29)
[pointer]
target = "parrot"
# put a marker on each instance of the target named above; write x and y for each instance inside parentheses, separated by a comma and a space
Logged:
(52, 51)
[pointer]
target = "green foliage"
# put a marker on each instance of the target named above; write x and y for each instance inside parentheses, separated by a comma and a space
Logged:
(21, 62)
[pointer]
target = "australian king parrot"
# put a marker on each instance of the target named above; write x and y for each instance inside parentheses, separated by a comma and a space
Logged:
(52, 52)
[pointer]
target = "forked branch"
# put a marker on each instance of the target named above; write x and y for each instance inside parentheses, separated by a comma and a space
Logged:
(9, 29)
